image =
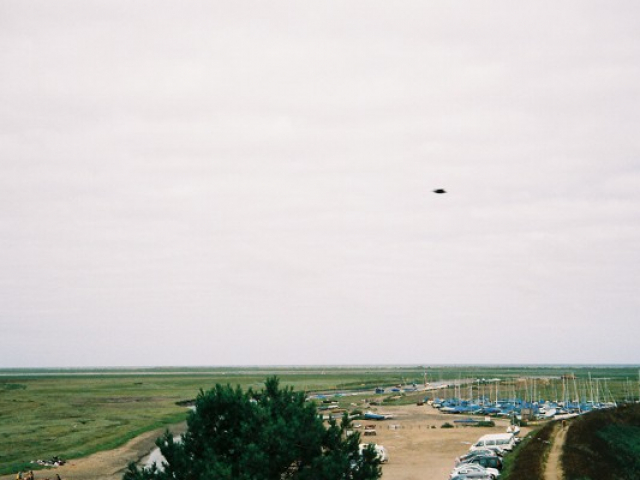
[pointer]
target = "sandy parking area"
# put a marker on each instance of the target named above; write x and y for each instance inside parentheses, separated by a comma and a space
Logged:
(419, 452)
(416, 450)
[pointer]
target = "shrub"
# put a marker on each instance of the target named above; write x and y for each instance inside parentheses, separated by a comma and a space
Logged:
(484, 423)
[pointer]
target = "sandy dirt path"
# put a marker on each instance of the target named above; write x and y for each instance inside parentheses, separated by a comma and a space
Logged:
(418, 448)
(107, 465)
(553, 470)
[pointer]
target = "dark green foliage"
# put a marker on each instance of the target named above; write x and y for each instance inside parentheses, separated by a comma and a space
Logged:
(12, 386)
(268, 435)
(446, 425)
(604, 445)
(484, 423)
(528, 459)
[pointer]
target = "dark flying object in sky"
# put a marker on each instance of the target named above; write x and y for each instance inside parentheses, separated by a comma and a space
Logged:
(439, 190)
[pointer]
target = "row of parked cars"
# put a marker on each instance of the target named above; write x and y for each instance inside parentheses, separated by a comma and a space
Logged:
(484, 460)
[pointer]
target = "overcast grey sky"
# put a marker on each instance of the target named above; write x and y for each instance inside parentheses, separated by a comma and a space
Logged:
(250, 182)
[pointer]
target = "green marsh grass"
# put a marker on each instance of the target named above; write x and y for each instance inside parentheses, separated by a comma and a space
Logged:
(73, 413)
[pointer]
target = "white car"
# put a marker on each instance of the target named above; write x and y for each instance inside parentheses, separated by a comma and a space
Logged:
(473, 476)
(383, 455)
(472, 470)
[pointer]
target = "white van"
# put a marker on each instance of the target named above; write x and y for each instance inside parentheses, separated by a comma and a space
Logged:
(500, 442)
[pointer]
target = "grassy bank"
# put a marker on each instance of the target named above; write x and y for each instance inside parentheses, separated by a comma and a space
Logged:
(604, 445)
(527, 462)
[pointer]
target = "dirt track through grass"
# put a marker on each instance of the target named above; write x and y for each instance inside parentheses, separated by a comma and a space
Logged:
(105, 465)
(553, 469)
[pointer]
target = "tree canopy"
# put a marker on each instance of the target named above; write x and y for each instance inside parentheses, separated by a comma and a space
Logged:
(273, 434)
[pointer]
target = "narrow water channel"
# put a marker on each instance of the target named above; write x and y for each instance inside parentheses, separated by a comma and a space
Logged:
(156, 456)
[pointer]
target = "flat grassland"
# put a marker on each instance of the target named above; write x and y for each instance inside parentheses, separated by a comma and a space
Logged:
(97, 419)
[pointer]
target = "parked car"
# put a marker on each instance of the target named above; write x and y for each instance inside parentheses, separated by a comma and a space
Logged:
(383, 455)
(486, 461)
(474, 469)
(473, 476)
(476, 453)
(503, 442)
